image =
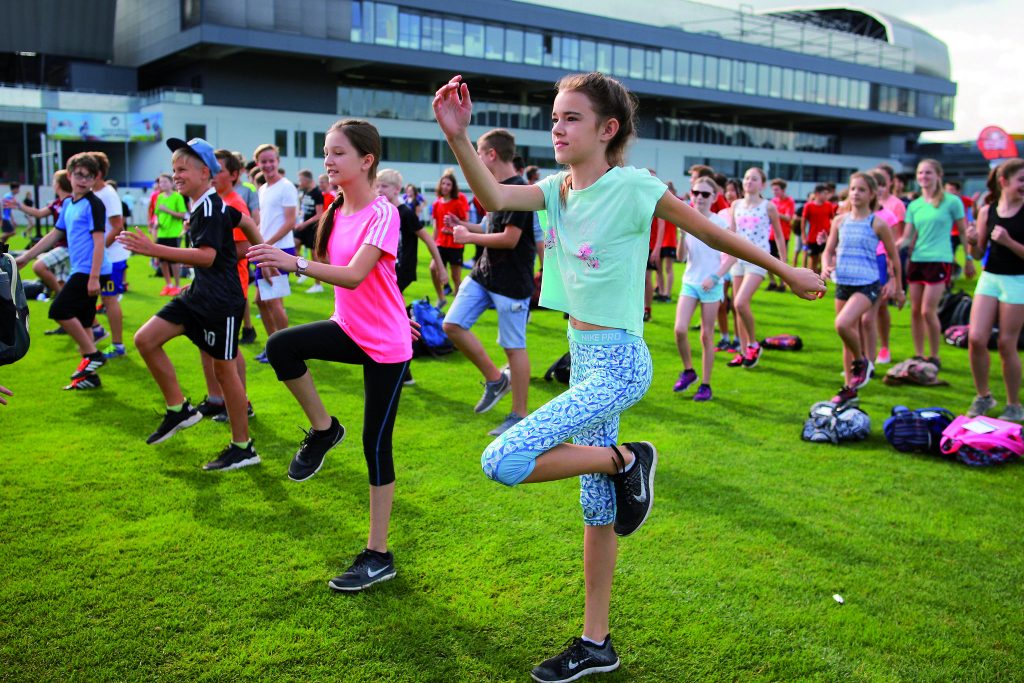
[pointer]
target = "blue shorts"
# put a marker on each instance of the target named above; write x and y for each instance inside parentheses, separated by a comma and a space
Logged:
(473, 299)
(1007, 289)
(712, 296)
(883, 269)
(115, 285)
(288, 250)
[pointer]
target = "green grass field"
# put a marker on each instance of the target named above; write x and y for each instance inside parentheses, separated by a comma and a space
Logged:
(120, 561)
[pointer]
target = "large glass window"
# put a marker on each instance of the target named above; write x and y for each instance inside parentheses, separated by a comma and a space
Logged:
(812, 87)
(474, 40)
(787, 84)
(775, 82)
(433, 34)
(833, 91)
(822, 92)
(710, 72)
(533, 51)
(300, 143)
(319, 142)
(494, 42)
(409, 31)
(452, 37)
(621, 65)
(281, 142)
(552, 50)
(844, 92)
(513, 46)
(652, 65)
(668, 66)
(799, 85)
(588, 55)
(762, 79)
(385, 25)
(604, 58)
(697, 71)
(724, 74)
(570, 54)
(636, 62)
(356, 33)
(683, 68)
(750, 78)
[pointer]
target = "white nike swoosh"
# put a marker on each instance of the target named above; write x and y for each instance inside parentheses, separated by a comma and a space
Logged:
(373, 574)
(573, 665)
(642, 498)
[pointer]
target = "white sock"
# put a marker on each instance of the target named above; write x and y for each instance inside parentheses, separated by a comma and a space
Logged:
(628, 467)
(593, 642)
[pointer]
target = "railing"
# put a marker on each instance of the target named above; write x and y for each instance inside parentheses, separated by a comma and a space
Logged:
(21, 96)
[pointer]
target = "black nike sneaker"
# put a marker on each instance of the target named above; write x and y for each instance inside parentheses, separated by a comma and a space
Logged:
(634, 489)
(370, 567)
(579, 659)
(310, 457)
(174, 422)
(234, 458)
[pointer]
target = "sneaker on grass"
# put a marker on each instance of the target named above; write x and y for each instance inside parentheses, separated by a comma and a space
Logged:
(370, 567)
(736, 362)
(686, 378)
(114, 351)
(579, 659)
(89, 365)
(860, 373)
(248, 335)
(91, 381)
(317, 288)
(847, 396)
(1013, 413)
(703, 393)
(56, 330)
(510, 420)
(493, 391)
(310, 457)
(634, 489)
(174, 422)
(211, 409)
(981, 405)
(223, 415)
(98, 332)
(233, 458)
(751, 356)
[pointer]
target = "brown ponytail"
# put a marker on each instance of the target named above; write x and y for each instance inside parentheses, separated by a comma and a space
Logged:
(366, 140)
(1003, 171)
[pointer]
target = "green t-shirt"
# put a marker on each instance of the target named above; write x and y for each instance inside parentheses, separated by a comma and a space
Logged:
(596, 247)
(934, 226)
(168, 225)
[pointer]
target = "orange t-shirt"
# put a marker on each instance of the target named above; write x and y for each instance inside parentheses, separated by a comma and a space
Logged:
(459, 207)
(328, 200)
(233, 200)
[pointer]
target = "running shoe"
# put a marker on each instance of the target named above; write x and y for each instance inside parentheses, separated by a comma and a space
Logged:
(89, 365)
(647, 315)
(56, 330)
(223, 415)
(736, 362)
(317, 288)
(166, 291)
(686, 378)
(370, 567)
(509, 421)
(310, 457)
(847, 396)
(98, 332)
(859, 375)
(723, 345)
(981, 405)
(114, 351)
(1013, 413)
(101, 309)
(735, 344)
(174, 291)
(579, 659)
(883, 357)
(407, 379)
(208, 408)
(703, 393)
(86, 382)
(493, 391)
(752, 356)
(233, 458)
(174, 422)
(248, 335)
(261, 357)
(634, 489)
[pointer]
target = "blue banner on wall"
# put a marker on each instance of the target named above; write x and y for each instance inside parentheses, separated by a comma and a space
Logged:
(104, 127)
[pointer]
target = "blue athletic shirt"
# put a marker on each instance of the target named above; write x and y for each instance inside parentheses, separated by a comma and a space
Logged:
(79, 219)
(596, 247)
(856, 260)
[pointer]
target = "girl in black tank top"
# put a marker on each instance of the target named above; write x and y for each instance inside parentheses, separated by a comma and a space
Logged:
(1002, 260)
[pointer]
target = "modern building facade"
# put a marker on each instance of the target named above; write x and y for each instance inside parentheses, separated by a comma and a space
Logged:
(809, 95)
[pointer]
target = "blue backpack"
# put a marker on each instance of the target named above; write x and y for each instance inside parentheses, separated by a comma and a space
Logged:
(918, 430)
(433, 341)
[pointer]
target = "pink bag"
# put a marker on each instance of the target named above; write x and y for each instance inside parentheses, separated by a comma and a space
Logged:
(982, 441)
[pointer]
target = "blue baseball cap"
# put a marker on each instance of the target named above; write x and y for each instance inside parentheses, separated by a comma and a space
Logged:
(201, 148)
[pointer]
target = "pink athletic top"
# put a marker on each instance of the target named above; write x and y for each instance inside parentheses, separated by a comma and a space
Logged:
(373, 314)
(890, 219)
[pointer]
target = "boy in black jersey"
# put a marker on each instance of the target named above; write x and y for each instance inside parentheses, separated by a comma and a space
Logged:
(208, 312)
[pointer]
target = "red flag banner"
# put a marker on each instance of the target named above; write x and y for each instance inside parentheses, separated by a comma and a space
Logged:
(996, 143)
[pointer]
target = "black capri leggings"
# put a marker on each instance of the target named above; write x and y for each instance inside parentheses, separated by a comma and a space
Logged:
(289, 349)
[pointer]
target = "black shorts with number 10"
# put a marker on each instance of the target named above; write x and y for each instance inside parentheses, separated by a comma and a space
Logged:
(216, 335)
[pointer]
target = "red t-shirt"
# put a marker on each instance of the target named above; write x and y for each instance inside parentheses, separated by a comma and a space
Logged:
(328, 200)
(458, 207)
(968, 205)
(671, 238)
(233, 200)
(818, 219)
(720, 204)
(787, 207)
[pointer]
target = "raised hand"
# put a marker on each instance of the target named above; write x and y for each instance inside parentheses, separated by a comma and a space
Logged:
(453, 107)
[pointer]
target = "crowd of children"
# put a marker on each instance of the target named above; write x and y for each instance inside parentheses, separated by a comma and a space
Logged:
(609, 236)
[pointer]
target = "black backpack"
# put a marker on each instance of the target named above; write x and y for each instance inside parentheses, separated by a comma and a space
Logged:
(560, 369)
(954, 309)
(14, 338)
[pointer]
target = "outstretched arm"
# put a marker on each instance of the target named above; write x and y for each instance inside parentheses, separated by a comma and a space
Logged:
(452, 109)
(805, 283)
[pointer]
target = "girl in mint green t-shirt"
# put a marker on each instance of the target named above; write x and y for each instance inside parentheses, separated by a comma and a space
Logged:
(929, 222)
(596, 249)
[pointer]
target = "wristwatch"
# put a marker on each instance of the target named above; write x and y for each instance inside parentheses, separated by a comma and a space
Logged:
(300, 265)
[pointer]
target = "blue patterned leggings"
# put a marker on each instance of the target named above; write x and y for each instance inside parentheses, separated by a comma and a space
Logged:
(611, 370)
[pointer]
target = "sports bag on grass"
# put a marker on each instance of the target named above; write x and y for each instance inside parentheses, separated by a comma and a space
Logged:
(982, 441)
(560, 369)
(14, 337)
(954, 309)
(433, 341)
(918, 430)
(783, 342)
(914, 371)
(825, 424)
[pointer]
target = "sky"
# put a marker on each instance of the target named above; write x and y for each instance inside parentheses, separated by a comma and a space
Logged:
(986, 52)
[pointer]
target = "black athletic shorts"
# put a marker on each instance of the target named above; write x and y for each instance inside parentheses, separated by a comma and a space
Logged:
(7, 227)
(74, 301)
(668, 252)
(773, 248)
(172, 242)
(451, 255)
(307, 236)
(217, 336)
(871, 291)
(814, 249)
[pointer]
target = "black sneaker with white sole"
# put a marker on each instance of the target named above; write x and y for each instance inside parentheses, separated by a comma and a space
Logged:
(310, 457)
(233, 458)
(208, 408)
(89, 365)
(579, 659)
(634, 489)
(174, 422)
(223, 415)
(85, 382)
(370, 567)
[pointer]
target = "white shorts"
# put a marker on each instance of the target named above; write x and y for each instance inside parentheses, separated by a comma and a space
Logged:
(746, 268)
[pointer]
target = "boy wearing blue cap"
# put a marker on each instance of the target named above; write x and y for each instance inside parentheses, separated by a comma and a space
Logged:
(208, 312)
